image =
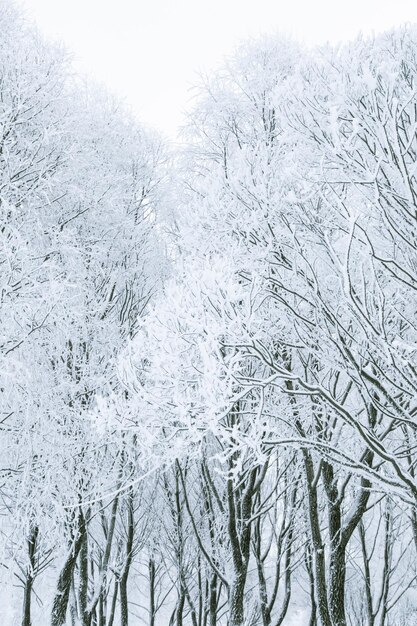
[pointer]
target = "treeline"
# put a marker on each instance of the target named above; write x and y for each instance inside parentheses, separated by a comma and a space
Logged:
(208, 359)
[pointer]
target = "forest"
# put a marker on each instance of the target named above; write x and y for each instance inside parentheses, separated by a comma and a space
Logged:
(209, 352)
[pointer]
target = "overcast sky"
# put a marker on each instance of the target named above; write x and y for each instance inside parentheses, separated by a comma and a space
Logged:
(148, 51)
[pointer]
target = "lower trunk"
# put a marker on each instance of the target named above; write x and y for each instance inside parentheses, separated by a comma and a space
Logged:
(213, 601)
(26, 620)
(317, 547)
(337, 587)
(124, 606)
(313, 606)
(60, 602)
(387, 568)
(287, 581)
(151, 592)
(113, 605)
(83, 584)
(236, 602)
(367, 576)
(102, 610)
(180, 609)
(263, 593)
(30, 577)
(193, 613)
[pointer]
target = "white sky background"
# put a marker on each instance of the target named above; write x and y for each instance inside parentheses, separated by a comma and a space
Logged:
(148, 51)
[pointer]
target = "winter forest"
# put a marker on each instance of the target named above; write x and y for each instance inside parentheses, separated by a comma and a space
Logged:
(208, 372)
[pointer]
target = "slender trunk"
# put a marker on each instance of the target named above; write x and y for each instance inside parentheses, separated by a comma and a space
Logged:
(83, 585)
(200, 592)
(124, 605)
(240, 538)
(367, 576)
(317, 548)
(287, 579)
(73, 605)
(313, 605)
(193, 612)
(337, 581)
(113, 604)
(26, 620)
(236, 603)
(387, 568)
(318, 557)
(151, 567)
(340, 534)
(102, 609)
(30, 577)
(210, 514)
(180, 608)
(99, 601)
(213, 600)
(263, 593)
(60, 602)
(414, 525)
(337, 569)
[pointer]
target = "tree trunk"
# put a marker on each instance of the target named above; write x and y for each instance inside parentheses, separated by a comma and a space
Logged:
(313, 605)
(60, 602)
(213, 600)
(151, 567)
(287, 579)
(180, 609)
(26, 620)
(337, 570)
(124, 606)
(263, 593)
(337, 579)
(367, 576)
(113, 604)
(318, 557)
(236, 603)
(83, 584)
(30, 577)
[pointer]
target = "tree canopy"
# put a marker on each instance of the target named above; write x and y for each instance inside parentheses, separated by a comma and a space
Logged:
(208, 355)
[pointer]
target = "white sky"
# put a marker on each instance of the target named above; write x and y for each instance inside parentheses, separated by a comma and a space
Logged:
(148, 51)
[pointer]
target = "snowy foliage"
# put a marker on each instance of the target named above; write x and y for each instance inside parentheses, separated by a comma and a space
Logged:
(208, 361)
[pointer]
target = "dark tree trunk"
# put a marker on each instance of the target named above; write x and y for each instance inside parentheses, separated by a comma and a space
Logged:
(287, 578)
(60, 602)
(263, 593)
(240, 538)
(236, 602)
(83, 584)
(367, 576)
(337, 567)
(151, 567)
(26, 620)
(318, 558)
(180, 609)
(30, 577)
(213, 600)
(313, 605)
(124, 605)
(340, 533)
(337, 580)
(113, 604)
